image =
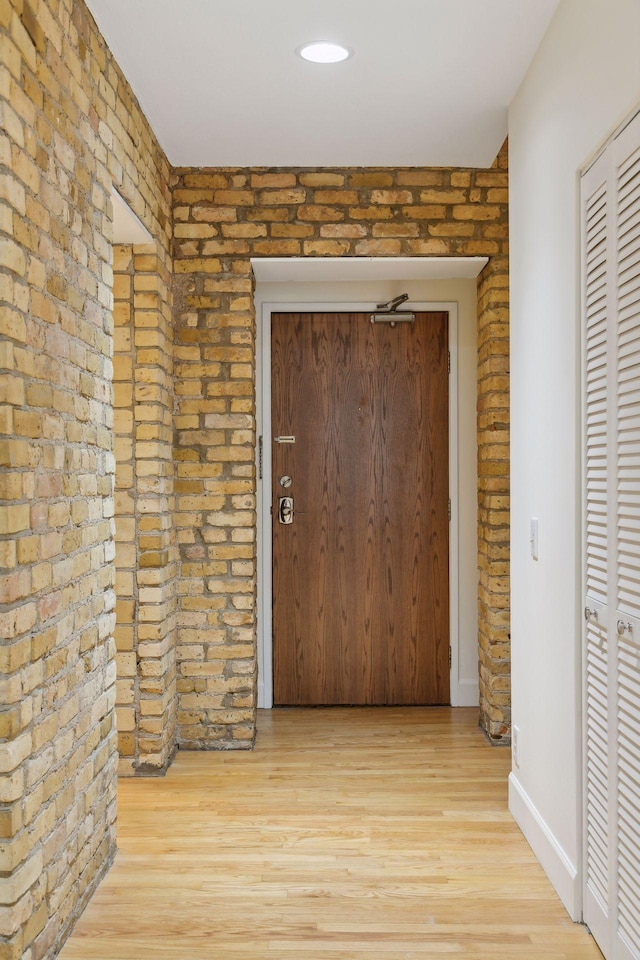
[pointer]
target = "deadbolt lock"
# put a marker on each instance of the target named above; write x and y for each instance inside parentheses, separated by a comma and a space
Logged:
(285, 481)
(285, 509)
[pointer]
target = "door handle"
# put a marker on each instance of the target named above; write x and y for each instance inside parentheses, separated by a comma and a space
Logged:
(285, 509)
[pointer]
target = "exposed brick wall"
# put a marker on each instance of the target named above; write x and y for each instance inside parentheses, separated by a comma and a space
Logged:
(71, 128)
(126, 553)
(153, 492)
(493, 500)
(215, 508)
(223, 217)
(145, 545)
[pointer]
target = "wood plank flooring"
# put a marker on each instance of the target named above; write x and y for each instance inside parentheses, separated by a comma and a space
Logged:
(348, 834)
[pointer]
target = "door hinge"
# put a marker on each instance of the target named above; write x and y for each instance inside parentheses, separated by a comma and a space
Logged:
(449, 657)
(449, 510)
(449, 361)
(259, 458)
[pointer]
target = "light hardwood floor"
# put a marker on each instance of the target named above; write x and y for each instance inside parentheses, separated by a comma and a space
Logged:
(347, 834)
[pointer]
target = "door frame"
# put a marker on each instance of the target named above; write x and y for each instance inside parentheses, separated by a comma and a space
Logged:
(264, 486)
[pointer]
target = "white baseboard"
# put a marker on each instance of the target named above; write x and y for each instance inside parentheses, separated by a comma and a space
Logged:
(554, 861)
(468, 693)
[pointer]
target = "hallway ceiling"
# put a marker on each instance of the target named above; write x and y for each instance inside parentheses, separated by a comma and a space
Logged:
(429, 83)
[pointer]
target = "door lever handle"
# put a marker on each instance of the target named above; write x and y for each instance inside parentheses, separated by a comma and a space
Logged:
(285, 509)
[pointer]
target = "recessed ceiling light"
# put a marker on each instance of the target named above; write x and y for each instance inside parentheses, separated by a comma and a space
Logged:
(323, 51)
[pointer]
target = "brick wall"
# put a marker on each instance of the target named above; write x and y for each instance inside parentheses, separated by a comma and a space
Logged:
(70, 129)
(145, 557)
(494, 647)
(222, 218)
(126, 530)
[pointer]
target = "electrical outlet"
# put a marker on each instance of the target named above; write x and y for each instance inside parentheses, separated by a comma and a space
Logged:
(515, 746)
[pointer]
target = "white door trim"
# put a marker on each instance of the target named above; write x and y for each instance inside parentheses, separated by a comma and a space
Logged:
(264, 492)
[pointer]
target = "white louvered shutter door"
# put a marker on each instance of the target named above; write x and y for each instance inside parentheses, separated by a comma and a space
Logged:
(626, 155)
(611, 309)
(596, 219)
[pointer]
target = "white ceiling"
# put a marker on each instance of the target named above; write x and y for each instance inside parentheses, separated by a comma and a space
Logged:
(429, 84)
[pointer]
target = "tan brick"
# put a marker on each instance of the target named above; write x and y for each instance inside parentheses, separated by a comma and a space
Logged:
(428, 248)
(378, 248)
(343, 230)
(370, 213)
(395, 229)
(273, 180)
(234, 198)
(374, 178)
(277, 248)
(12, 390)
(268, 214)
(12, 256)
(326, 248)
(291, 230)
(15, 518)
(431, 211)
(385, 197)
(477, 212)
(282, 197)
(320, 213)
(461, 179)
(211, 213)
(421, 178)
(323, 179)
(442, 196)
(247, 230)
(451, 229)
(336, 197)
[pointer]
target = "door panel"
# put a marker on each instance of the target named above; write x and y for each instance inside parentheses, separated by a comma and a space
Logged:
(611, 304)
(597, 651)
(627, 537)
(360, 578)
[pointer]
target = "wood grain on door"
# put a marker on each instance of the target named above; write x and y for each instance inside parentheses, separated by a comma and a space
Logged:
(361, 575)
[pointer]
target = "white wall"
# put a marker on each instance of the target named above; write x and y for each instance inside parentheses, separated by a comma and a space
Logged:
(582, 83)
(464, 293)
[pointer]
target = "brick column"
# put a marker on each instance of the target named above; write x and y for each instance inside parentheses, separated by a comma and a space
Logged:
(493, 498)
(156, 574)
(215, 494)
(126, 560)
(145, 555)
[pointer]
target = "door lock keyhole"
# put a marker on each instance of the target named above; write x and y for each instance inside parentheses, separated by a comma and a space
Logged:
(285, 510)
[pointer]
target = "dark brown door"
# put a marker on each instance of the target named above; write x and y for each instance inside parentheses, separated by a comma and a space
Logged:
(361, 575)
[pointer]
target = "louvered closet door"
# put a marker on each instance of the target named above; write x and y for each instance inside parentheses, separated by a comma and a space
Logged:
(596, 232)
(611, 277)
(626, 153)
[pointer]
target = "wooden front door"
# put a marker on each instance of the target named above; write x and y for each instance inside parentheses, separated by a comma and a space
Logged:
(361, 574)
